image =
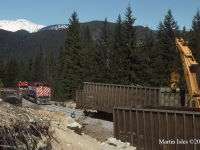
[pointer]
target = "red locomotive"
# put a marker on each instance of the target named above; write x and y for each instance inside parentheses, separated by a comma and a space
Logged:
(38, 92)
(22, 85)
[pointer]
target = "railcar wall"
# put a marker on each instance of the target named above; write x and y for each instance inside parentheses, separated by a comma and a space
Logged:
(158, 128)
(103, 97)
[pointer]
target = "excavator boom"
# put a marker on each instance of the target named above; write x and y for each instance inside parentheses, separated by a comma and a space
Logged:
(191, 70)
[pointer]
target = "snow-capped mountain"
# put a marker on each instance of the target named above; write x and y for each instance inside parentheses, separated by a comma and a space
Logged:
(55, 27)
(20, 24)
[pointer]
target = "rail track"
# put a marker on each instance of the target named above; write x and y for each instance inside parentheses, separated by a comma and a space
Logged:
(66, 111)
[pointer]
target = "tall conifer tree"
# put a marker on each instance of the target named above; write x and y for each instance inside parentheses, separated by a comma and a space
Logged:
(29, 67)
(2, 68)
(102, 55)
(21, 71)
(87, 52)
(194, 42)
(42, 75)
(165, 49)
(51, 72)
(36, 65)
(71, 76)
(144, 70)
(131, 43)
(11, 72)
(118, 64)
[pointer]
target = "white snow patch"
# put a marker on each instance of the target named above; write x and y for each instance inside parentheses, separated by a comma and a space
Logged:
(20, 24)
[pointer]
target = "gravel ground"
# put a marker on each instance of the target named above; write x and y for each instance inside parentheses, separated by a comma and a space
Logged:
(66, 111)
(29, 104)
(105, 124)
(96, 128)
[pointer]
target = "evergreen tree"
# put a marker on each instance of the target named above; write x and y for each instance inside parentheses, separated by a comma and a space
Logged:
(42, 76)
(131, 45)
(165, 49)
(71, 76)
(2, 68)
(60, 60)
(194, 41)
(118, 64)
(130, 31)
(51, 74)
(145, 59)
(102, 55)
(11, 72)
(196, 21)
(184, 34)
(87, 52)
(28, 75)
(36, 65)
(58, 76)
(21, 71)
(51, 67)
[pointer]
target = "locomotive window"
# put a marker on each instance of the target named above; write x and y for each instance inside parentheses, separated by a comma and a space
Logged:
(47, 85)
(37, 85)
(44, 84)
(41, 85)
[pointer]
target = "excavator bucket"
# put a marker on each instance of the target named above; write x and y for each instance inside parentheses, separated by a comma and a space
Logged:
(175, 77)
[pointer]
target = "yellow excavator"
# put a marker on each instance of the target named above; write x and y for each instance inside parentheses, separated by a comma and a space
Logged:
(191, 72)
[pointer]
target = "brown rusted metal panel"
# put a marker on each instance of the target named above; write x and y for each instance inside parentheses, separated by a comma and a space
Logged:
(104, 97)
(79, 98)
(163, 128)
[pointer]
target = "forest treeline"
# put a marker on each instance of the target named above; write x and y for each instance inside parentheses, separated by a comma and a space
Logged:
(118, 57)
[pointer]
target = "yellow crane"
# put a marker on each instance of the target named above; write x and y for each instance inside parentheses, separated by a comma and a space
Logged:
(191, 71)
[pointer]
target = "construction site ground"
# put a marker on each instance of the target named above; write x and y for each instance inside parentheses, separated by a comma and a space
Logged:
(94, 135)
(98, 129)
(91, 127)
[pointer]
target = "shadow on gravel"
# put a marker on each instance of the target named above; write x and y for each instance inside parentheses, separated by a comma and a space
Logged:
(99, 115)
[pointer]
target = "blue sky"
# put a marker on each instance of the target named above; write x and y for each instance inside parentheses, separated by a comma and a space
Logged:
(147, 12)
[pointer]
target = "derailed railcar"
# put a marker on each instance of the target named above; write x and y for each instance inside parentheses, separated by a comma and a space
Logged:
(11, 97)
(103, 97)
(158, 127)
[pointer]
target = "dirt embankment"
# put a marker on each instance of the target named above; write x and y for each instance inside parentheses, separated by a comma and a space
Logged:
(94, 130)
(29, 128)
(25, 128)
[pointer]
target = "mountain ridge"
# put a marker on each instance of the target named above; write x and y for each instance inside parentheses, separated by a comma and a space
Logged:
(19, 24)
(22, 44)
(54, 27)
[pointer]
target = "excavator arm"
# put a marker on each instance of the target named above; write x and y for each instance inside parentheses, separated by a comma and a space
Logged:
(191, 70)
